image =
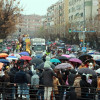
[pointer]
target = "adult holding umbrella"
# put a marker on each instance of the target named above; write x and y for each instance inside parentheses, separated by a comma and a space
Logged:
(55, 61)
(86, 71)
(3, 55)
(36, 61)
(10, 58)
(41, 66)
(62, 59)
(24, 53)
(64, 66)
(85, 57)
(67, 56)
(76, 60)
(4, 61)
(26, 58)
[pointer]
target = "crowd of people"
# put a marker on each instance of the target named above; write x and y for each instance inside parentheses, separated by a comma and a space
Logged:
(22, 79)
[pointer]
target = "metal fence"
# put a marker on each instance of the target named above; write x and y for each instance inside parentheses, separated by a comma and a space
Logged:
(29, 92)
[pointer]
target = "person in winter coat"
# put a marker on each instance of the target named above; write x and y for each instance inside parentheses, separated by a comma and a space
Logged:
(21, 80)
(55, 86)
(40, 92)
(35, 84)
(98, 87)
(12, 73)
(84, 87)
(71, 77)
(47, 62)
(6, 86)
(77, 85)
(48, 81)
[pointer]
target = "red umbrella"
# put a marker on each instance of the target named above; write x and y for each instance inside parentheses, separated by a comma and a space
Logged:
(26, 58)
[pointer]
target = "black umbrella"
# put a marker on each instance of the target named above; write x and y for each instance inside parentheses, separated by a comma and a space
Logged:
(41, 66)
(85, 57)
(36, 61)
(86, 71)
(89, 60)
(62, 58)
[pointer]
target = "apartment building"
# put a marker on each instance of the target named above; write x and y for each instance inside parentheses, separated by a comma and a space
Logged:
(30, 23)
(98, 9)
(66, 12)
(77, 9)
(55, 18)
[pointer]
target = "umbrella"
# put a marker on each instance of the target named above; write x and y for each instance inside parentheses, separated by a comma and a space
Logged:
(16, 55)
(63, 66)
(12, 58)
(89, 60)
(41, 66)
(86, 71)
(98, 60)
(36, 61)
(75, 60)
(84, 57)
(24, 53)
(98, 71)
(26, 58)
(3, 55)
(55, 60)
(69, 49)
(96, 57)
(68, 56)
(62, 58)
(72, 55)
(4, 61)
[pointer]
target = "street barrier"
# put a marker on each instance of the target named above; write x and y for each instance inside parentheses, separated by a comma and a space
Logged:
(29, 92)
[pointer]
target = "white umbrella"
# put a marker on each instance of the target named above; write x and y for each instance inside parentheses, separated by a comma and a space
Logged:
(72, 55)
(16, 55)
(98, 70)
(10, 58)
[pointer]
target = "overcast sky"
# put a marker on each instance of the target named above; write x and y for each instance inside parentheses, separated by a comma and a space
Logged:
(36, 6)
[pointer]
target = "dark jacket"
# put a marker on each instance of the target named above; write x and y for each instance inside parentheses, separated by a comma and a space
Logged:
(84, 87)
(71, 79)
(48, 77)
(20, 77)
(12, 73)
(71, 94)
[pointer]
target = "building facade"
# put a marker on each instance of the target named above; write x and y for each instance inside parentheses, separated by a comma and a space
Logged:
(30, 23)
(55, 18)
(78, 9)
(99, 10)
(66, 7)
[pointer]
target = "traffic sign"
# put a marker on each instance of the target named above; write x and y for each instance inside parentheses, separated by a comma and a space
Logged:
(84, 49)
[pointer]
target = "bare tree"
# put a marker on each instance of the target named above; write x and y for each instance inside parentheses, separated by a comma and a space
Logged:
(9, 14)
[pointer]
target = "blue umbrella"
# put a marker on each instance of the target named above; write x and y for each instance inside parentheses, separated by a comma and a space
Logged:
(24, 53)
(55, 60)
(12, 58)
(4, 61)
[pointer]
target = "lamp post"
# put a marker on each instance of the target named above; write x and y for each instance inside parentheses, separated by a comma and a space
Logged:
(84, 25)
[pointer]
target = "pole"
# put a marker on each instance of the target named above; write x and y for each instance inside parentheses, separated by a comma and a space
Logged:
(84, 26)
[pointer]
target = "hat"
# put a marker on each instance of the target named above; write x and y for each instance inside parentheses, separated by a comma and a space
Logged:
(90, 64)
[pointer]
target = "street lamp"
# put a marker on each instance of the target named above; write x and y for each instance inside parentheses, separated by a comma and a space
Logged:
(84, 26)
